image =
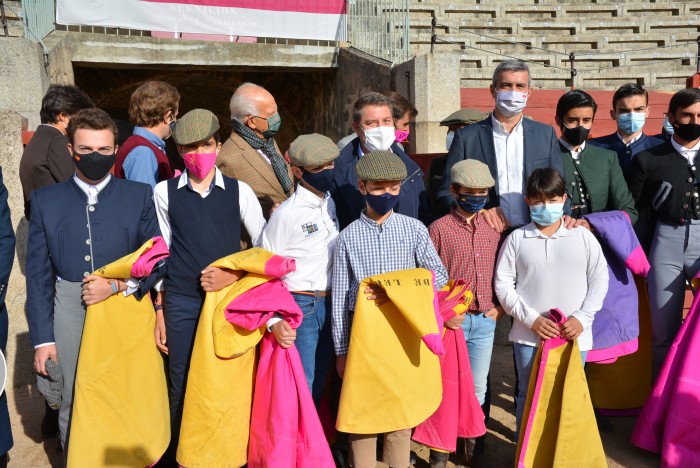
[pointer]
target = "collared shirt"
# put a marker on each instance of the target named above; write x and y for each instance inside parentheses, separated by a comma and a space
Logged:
(574, 153)
(622, 139)
(141, 164)
(92, 191)
(510, 160)
(251, 213)
(469, 253)
(366, 248)
(687, 153)
(304, 228)
(536, 273)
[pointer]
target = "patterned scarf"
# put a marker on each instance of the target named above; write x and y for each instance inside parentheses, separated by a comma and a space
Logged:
(268, 148)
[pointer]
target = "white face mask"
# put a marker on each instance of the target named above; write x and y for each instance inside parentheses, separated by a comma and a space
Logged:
(450, 137)
(511, 103)
(379, 138)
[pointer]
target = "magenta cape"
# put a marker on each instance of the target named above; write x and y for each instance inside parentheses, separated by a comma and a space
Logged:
(669, 423)
(459, 413)
(285, 430)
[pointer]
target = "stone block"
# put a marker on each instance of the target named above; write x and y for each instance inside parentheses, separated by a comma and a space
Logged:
(23, 78)
(432, 82)
(19, 355)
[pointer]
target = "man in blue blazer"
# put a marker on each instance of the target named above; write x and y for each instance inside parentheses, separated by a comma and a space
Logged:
(373, 122)
(7, 256)
(511, 145)
(76, 227)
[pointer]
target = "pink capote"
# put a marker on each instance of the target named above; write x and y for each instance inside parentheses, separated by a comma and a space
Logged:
(459, 413)
(669, 423)
(285, 430)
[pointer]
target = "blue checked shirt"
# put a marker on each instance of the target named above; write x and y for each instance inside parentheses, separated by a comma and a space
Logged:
(365, 249)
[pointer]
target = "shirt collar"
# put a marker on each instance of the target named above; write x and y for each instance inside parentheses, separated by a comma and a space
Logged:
(310, 198)
(569, 147)
(631, 141)
(687, 153)
(531, 230)
(87, 188)
(461, 219)
(361, 153)
(500, 128)
(218, 180)
(373, 224)
(150, 136)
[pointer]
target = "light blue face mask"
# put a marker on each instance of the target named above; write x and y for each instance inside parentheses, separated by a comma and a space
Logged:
(546, 214)
(668, 127)
(631, 122)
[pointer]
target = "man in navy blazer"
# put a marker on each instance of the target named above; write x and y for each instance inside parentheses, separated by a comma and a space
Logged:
(511, 145)
(7, 256)
(76, 227)
(373, 122)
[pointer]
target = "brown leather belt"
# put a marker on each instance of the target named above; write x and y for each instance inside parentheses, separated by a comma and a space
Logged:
(313, 293)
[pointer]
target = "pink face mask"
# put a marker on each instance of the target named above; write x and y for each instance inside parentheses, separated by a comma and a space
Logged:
(401, 135)
(199, 164)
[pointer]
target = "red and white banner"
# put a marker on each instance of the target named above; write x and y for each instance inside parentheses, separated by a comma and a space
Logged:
(293, 19)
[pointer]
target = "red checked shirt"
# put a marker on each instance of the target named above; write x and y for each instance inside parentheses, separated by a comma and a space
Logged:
(468, 253)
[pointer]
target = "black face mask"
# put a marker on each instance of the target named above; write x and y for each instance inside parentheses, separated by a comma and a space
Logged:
(686, 132)
(575, 136)
(94, 165)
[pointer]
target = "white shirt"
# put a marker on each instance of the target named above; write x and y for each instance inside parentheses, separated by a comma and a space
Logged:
(629, 142)
(510, 160)
(687, 153)
(574, 153)
(92, 191)
(535, 273)
(250, 210)
(304, 228)
(265, 157)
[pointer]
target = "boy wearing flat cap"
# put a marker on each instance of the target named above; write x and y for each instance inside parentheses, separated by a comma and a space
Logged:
(305, 228)
(200, 215)
(468, 248)
(381, 241)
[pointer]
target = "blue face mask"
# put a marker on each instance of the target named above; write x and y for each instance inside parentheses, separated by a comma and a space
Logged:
(472, 203)
(383, 203)
(546, 214)
(321, 180)
(631, 122)
(668, 128)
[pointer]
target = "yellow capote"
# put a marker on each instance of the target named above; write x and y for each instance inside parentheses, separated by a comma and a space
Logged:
(219, 395)
(626, 383)
(392, 380)
(563, 432)
(120, 414)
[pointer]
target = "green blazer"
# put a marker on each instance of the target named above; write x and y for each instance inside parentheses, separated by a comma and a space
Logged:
(603, 179)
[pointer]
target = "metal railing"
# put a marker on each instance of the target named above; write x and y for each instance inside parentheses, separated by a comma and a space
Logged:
(39, 18)
(380, 28)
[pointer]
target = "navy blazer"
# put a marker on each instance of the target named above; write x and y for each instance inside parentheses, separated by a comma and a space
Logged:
(70, 239)
(541, 149)
(7, 242)
(625, 153)
(349, 202)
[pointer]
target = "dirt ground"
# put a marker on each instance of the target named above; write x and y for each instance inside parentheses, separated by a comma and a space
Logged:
(27, 409)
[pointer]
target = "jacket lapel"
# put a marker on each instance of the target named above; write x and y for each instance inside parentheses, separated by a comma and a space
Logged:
(528, 137)
(256, 161)
(487, 148)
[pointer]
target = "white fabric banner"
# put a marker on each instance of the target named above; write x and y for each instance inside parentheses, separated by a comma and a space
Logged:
(292, 19)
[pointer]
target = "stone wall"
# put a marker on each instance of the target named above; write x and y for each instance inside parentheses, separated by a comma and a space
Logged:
(23, 82)
(20, 355)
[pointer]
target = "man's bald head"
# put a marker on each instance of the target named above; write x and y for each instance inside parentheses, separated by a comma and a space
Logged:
(250, 99)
